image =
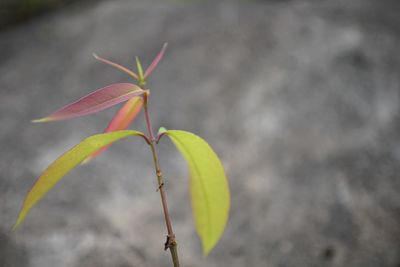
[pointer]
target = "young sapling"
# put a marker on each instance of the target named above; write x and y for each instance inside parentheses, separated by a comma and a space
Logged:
(209, 189)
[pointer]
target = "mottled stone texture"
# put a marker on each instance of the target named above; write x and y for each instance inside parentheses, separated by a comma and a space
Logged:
(299, 98)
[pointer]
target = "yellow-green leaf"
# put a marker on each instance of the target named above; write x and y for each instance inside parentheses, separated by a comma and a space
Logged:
(208, 187)
(65, 163)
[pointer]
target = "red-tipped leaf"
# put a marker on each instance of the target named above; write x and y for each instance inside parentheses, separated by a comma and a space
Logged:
(155, 62)
(96, 101)
(121, 121)
(118, 66)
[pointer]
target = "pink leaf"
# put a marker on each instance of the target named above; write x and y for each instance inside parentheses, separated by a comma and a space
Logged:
(115, 65)
(96, 101)
(155, 62)
(125, 115)
(121, 121)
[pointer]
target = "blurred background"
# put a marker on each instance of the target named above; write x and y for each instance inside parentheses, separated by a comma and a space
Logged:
(300, 99)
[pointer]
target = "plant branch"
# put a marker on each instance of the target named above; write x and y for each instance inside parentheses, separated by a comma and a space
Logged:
(170, 243)
(147, 115)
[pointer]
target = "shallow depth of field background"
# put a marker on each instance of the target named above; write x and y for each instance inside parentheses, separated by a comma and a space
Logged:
(301, 100)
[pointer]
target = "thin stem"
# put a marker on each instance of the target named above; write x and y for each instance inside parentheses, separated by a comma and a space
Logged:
(147, 115)
(170, 243)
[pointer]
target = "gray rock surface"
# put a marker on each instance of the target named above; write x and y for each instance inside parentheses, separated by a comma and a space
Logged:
(21, 11)
(299, 98)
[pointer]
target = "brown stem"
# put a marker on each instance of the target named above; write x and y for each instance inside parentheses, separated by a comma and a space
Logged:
(170, 243)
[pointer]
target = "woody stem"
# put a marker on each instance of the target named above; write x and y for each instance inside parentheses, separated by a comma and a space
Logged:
(170, 243)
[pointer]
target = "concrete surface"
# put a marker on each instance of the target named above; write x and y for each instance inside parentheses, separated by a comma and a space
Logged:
(299, 98)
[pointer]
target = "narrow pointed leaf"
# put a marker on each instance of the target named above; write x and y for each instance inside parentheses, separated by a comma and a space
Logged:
(96, 101)
(125, 115)
(208, 187)
(121, 121)
(115, 65)
(140, 70)
(155, 62)
(65, 163)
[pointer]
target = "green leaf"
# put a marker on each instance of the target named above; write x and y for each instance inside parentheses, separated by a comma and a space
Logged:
(142, 81)
(65, 163)
(208, 187)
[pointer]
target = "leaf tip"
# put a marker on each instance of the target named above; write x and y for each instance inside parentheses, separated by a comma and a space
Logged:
(87, 160)
(206, 252)
(207, 247)
(20, 219)
(156, 60)
(47, 119)
(15, 228)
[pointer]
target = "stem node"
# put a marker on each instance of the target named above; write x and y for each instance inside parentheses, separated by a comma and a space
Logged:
(170, 242)
(159, 187)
